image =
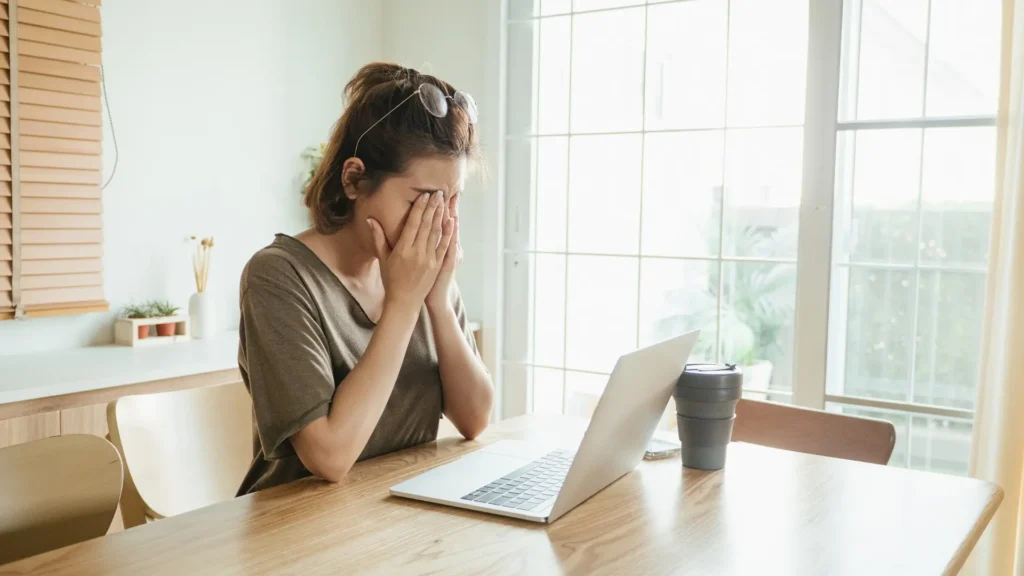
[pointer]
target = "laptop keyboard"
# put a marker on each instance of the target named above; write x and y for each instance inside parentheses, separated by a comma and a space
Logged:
(529, 486)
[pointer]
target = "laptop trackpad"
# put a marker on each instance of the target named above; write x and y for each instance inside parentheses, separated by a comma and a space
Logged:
(464, 475)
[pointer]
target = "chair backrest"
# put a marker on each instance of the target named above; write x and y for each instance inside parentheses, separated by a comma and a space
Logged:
(182, 450)
(814, 431)
(56, 492)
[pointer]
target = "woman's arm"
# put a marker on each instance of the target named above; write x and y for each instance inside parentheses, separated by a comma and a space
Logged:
(468, 393)
(330, 445)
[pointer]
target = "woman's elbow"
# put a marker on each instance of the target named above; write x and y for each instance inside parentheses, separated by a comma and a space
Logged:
(331, 471)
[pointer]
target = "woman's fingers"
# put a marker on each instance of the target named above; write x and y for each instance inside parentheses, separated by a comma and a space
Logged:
(440, 215)
(380, 242)
(427, 223)
(412, 223)
(448, 231)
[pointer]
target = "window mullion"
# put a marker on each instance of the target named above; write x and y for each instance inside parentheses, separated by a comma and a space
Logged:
(816, 202)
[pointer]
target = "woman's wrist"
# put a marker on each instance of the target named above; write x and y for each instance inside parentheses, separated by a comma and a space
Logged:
(406, 310)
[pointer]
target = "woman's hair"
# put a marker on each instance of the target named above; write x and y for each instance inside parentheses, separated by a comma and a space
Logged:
(407, 133)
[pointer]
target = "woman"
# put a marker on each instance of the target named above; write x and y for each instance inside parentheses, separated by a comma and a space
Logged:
(354, 339)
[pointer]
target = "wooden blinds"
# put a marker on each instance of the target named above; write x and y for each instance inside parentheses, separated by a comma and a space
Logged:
(51, 240)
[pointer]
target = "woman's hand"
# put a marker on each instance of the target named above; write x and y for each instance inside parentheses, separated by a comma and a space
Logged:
(439, 297)
(411, 268)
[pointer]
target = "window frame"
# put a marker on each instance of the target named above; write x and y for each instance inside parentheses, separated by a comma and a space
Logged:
(822, 128)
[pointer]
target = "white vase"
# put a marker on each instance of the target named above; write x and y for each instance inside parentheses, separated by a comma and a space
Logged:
(202, 312)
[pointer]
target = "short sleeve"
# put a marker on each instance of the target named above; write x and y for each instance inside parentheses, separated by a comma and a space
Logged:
(287, 362)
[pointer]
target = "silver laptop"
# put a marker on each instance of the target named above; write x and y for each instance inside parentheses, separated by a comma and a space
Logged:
(541, 483)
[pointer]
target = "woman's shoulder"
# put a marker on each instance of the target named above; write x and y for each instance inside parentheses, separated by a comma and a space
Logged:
(276, 263)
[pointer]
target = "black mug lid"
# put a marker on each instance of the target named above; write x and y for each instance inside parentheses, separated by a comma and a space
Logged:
(709, 375)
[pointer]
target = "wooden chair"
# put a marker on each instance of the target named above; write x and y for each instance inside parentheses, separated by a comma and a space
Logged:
(182, 450)
(814, 431)
(56, 492)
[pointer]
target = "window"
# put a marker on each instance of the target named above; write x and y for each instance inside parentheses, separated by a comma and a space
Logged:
(655, 175)
(50, 159)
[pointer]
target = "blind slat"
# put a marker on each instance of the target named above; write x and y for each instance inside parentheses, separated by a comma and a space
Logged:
(47, 267)
(58, 221)
(59, 115)
(59, 69)
(60, 295)
(55, 84)
(5, 237)
(5, 63)
(61, 236)
(60, 206)
(5, 268)
(37, 144)
(3, 12)
(57, 175)
(5, 299)
(62, 281)
(5, 141)
(5, 95)
(52, 160)
(47, 20)
(5, 157)
(5, 205)
(5, 189)
(5, 252)
(60, 251)
(55, 130)
(63, 8)
(5, 173)
(5, 283)
(5, 221)
(56, 99)
(59, 38)
(51, 52)
(43, 190)
(5, 126)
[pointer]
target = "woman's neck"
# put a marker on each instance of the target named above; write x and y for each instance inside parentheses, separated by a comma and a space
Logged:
(344, 252)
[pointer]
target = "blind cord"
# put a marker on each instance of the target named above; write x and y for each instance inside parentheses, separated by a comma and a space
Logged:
(110, 118)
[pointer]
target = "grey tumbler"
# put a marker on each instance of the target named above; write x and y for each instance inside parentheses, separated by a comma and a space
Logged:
(706, 397)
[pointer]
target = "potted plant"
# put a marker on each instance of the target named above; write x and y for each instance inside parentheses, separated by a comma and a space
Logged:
(164, 309)
(311, 158)
(138, 311)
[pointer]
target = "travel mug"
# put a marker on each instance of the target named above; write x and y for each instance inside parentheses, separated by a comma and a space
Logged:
(706, 397)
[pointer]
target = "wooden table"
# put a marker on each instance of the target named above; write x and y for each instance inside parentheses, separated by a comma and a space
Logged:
(769, 512)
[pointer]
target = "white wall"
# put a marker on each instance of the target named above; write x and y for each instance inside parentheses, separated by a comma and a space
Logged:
(460, 42)
(212, 104)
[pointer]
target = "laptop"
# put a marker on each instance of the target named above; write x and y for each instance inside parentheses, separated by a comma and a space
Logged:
(541, 483)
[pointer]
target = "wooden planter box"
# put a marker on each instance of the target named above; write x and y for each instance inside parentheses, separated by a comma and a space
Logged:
(126, 330)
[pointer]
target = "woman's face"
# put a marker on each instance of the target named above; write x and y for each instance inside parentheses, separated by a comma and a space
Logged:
(391, 203)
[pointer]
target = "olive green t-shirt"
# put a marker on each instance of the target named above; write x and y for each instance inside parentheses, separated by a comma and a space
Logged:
(301, 332)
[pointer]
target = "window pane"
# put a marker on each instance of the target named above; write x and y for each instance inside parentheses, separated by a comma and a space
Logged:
(677, 296)
(686, 65)
(554, 75)
(582, 5)
(940, 444)
(757, 322)
(601, 311)
(583, 390)
(767, 62)
(522, 77)
(948, 338)
(682, 193)
(604, 194)
(762, 192)
(958, 184)
(878, 202)
(963, 58)
(879, 331)
(547, 390)
(607, 71)
(889, 82)
(549, 7)
(520, 155)
(552, 188)
(549, 310)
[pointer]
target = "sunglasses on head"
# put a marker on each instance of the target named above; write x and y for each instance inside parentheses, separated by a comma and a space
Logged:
(436, 103)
